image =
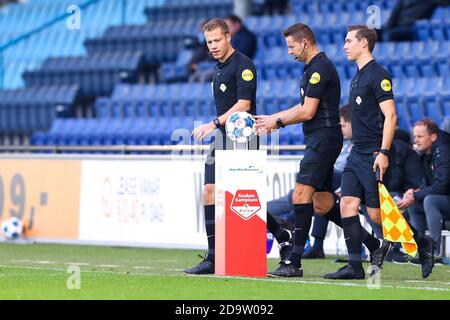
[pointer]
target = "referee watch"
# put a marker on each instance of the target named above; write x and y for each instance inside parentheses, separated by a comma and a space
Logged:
(280, 123)
(216, 122)
(385, 152)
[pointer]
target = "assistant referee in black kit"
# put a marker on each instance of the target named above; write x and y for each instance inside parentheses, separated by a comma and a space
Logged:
(374, 120)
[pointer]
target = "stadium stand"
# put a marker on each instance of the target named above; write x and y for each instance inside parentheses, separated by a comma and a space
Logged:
(108, 62)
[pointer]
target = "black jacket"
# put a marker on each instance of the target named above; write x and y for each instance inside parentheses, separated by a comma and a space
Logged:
(436, 168)
(407, 12)
(407, 171)
(244, 41)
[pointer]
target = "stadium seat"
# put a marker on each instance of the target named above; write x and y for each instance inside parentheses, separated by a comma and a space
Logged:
(404, 120)
(446, 104)
(432, 108)
(415, 108)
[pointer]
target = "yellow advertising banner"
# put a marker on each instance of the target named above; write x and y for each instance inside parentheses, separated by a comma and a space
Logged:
(44, 194)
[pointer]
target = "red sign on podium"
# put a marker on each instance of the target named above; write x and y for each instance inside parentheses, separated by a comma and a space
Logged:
(241, 236)
(246, 203)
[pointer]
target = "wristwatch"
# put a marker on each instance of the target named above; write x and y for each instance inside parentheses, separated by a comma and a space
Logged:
(216, 122)
(280, 123)
(384, 151)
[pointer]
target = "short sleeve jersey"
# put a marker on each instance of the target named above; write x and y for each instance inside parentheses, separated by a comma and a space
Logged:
(320, 80)
(233, 80)
(370, 86)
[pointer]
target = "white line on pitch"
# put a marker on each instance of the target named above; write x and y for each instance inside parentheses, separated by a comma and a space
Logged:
(425, 281)
(108, 265)
(343, 284)
(177, 270)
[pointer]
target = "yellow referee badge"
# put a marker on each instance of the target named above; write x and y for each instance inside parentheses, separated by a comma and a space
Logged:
(315, 78)
(386, 85)
(247, 75)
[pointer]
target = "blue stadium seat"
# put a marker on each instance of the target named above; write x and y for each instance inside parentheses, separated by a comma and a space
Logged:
(437, 32)
(415, 108)
(443, 67)
(102, 108)
(404, 120)
(446, 104)
(396, 69)
(432, 108)
(421, 30)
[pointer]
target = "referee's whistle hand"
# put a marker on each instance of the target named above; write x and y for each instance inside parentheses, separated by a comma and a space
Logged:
(382, 162)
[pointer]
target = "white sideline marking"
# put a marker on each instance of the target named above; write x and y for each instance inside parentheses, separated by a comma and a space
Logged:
(78, 263)
(177, 270)
(107, 265)
(45, 262)
(139, 267)
(425, 281)
(342, 284)
(64, 270)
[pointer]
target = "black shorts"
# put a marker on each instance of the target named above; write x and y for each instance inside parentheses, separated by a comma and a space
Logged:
(221, 142)
(358, 178)
(317, 165)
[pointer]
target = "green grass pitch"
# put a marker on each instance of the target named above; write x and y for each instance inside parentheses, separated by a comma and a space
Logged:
(40, 271)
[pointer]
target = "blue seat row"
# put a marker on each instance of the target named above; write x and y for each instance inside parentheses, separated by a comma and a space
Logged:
(96, 74)
(191, 91)
(426, 30)
(203, 10)
(317, 20)
(149, 131)
(441, 14)
(413, 108)
(58, 40)
(34, 108)
(157, 47)
(175, 100)
(347, 70)
(107, 108)
(284, 88)
(338, 6)
(106, 131)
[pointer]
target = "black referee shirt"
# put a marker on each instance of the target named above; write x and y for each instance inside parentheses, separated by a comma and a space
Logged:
(320, 80)
(233, 80)
(370, 86)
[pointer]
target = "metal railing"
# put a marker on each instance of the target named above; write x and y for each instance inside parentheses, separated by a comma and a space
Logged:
(127, 149)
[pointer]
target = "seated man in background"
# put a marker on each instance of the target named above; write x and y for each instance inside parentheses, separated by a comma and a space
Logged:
(273, 7)
(320, 223)
(200, 54)
(283, 209)
(242, 39)
(431, 201)
(400, 25)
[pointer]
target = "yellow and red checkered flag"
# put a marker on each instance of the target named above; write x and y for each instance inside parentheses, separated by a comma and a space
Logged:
(395, 226)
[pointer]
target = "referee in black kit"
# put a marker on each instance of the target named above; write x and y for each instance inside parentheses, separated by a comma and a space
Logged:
(320, 92)
(234, 89)
(374, 120)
